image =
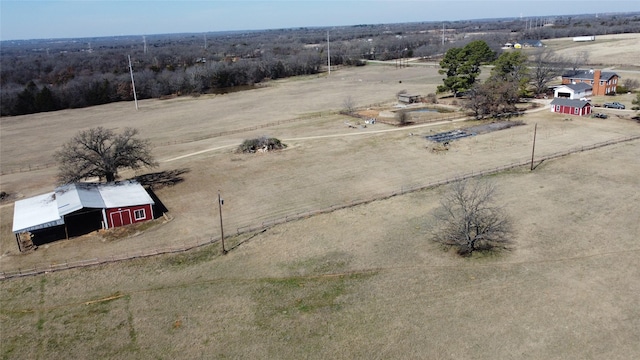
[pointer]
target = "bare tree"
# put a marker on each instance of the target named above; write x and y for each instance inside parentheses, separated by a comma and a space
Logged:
(479, 101)
(581, 58)
(100, 152)
(349, 105)
(545, 66)
(636, 102)
(469, 219)
(495, 97)
(630, 84)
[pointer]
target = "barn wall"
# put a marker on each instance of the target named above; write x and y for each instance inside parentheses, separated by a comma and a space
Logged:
(126, 215)
(571, 110)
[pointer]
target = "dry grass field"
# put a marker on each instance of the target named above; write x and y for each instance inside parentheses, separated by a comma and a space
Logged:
(362, 282)
(610, 51)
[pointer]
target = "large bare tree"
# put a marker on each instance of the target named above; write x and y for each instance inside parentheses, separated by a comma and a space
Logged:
(100, 152)
(545, 66)
(469, 219)
(581, 58)
(495, 98)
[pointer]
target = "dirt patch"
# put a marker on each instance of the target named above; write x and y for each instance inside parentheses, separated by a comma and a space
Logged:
(369, 113)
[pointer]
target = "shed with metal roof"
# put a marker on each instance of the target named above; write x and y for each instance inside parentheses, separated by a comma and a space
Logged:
(570, 106)
(74, 209)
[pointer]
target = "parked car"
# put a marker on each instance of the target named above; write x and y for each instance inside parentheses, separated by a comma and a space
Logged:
(614, 105)
(600, 115)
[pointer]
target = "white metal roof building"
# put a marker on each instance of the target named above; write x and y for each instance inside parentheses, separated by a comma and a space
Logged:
(573, 91)
(35, 213)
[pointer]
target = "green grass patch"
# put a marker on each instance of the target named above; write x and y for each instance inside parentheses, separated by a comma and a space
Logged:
(128, 230)
(290, 298)
(331, 262)
(190, 258)
(296, 310)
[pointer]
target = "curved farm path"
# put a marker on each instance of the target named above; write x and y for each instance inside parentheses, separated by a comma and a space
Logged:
(345, 134)
(544, 104)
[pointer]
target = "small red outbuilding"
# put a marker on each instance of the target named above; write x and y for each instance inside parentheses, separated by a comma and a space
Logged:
(570, 106)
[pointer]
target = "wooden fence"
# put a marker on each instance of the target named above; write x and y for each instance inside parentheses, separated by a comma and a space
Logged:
(301, 215)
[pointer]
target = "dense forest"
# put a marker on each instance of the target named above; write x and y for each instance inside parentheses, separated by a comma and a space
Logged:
(53, 74)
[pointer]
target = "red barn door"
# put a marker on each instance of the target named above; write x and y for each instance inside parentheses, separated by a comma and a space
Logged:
(120, 217)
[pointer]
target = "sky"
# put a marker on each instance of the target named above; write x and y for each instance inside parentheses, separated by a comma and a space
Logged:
(45, 19)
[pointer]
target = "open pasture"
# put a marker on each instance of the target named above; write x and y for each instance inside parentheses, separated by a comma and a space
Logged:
(361, 282)
(619, 51)
(365, 282)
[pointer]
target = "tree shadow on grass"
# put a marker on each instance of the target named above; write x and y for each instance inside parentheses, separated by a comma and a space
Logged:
(161, 179)
(158, 180)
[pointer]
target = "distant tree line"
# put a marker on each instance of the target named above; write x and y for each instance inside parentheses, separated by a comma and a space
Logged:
(82, 90)
(47, 75)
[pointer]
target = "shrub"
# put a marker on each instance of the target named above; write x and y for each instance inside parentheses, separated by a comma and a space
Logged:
(402, 117)
(621, 89)
(263, 142)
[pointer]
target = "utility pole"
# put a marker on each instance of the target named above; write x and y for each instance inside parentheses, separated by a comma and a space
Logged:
(535, 129)
(328, 54)
(133, 84)
(220, 202)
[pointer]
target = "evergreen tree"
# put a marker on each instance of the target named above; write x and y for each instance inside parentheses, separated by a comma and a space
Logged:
(462, 66)
(26, 102)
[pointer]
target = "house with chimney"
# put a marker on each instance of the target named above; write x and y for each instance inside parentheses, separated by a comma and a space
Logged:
(602, 82)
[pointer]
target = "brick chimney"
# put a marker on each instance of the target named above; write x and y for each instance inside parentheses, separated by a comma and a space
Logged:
(596, 83)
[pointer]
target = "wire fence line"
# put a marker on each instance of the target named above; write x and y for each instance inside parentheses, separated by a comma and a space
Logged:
(418, 121)
(35, 167)
(319, 114)
(247, 129)
(247, 229)
(27, 168)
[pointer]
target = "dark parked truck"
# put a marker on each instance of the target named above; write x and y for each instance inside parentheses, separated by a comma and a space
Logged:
(613, 105)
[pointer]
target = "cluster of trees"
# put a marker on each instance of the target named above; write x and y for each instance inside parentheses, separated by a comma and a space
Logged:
(96, 89)
(499, 94)
(513, 75)
(462, 66)
(44, 75)
(580, 25)
(50, 75)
